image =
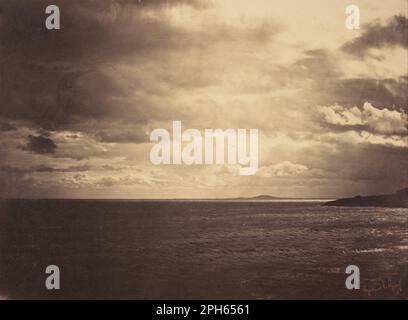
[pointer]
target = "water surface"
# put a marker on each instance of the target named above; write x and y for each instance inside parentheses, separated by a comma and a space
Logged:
(201, 249)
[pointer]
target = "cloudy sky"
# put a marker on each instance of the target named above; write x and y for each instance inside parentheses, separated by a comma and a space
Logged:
(77, 105)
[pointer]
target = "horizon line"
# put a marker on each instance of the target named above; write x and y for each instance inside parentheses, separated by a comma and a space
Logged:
(175, 199)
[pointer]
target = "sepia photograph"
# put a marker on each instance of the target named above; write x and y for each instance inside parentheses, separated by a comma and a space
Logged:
(203, 150)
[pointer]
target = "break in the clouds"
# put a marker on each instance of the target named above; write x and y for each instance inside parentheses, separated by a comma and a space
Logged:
(77, 105)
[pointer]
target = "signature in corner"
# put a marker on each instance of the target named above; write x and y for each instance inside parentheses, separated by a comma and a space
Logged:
(384, 285)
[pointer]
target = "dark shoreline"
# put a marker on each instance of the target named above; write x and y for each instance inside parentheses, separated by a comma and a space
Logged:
(397, 200)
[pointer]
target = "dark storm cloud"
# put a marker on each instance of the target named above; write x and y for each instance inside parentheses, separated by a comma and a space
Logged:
(13, 170)
(44, 169)
(40, 145)
(374, 169)
(377, 35)
(5, 126)
(357, 91)
(91, 31)
(318, 63)
(195, 3)
(17, 170)
(125, 136)
(52, 78)
(59, 79)
(332, 84)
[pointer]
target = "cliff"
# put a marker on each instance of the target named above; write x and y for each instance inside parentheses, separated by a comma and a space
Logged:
(397, 200)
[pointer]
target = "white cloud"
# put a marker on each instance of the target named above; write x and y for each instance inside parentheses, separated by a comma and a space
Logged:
(283, 169)
(376, 120)
(353, 137)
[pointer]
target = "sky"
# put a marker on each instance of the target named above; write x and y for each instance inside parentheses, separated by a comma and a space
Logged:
(77, 105)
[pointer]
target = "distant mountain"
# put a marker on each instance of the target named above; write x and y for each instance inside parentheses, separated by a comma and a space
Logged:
(260, 197)
(397, 200)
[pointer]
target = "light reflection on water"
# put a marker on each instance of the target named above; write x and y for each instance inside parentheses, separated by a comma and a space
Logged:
(201, 249)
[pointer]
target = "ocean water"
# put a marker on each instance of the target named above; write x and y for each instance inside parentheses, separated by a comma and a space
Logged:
(201, 250)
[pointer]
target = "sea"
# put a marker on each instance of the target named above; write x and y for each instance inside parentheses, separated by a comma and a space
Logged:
(201, 249)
